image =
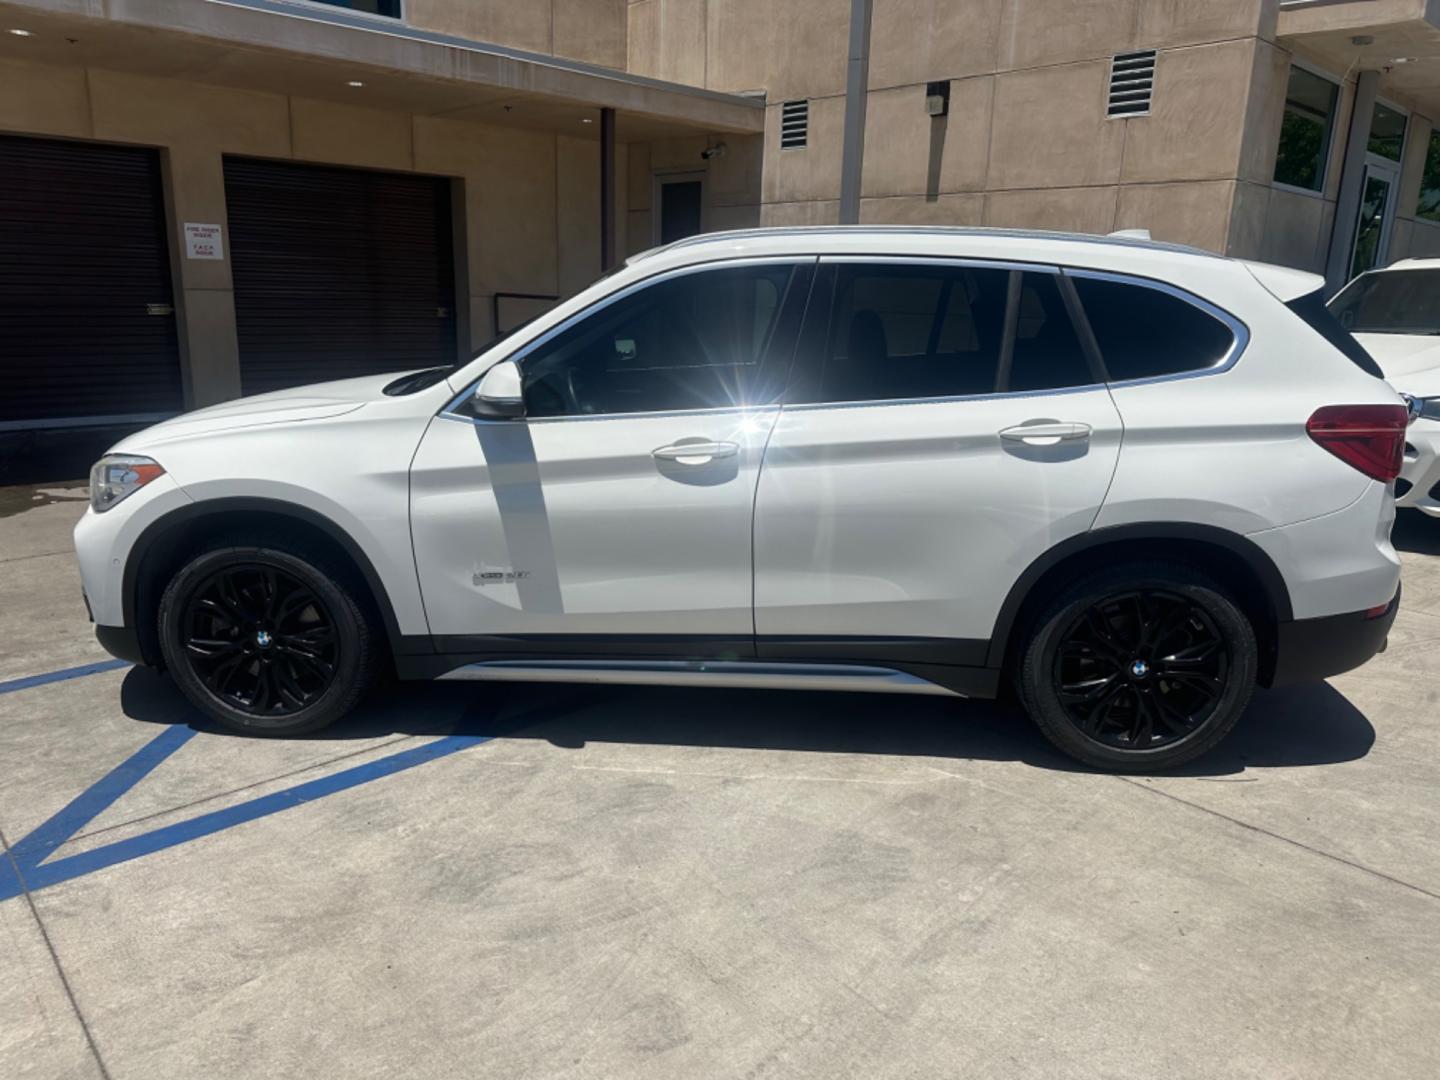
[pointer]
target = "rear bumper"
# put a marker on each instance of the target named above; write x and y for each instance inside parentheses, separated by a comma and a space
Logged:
(1308, 650)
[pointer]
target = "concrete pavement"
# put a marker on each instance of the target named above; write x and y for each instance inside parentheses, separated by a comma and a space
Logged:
(663, 883)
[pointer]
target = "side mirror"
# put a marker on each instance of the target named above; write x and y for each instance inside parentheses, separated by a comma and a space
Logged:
(499, 395)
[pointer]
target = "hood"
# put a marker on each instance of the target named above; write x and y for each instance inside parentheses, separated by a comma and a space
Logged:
(1411, 362)
(315, 402)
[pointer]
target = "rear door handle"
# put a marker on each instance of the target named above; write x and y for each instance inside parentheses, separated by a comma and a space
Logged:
(696, 453)
(1047, 433)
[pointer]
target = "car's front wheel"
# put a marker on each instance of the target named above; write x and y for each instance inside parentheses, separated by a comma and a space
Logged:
(266, 638)
(1139, 668)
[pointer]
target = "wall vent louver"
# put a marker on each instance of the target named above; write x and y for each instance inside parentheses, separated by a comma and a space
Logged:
(1132, 80)
(794, 124)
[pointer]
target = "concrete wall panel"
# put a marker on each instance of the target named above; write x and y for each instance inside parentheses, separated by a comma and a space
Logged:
(1292, 235)
(1195, 213)
(44, 99)
(959, 209)
(909, 152)
(1195, 127)
(1423, 240)
(1086, 209)
(351, 135)
(810, 173)
(132, 108)
(1050, 128)
(522, 26)
(1247, 220)
(1037, 32)
(815, 212)
(1192, 22)
(916, 41)
(510, 192)
(590, 30)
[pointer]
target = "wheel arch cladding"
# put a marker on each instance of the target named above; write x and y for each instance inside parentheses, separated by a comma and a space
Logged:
(166, 542)
(1234, 561)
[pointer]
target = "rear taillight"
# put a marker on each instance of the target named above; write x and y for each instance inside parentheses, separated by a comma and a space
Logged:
(1370, 438)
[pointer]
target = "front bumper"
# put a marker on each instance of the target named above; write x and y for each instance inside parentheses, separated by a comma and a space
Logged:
(121, 642)
(1309, 650)
(1419, 483)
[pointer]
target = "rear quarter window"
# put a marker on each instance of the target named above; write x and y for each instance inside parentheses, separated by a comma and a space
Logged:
(1145, 333)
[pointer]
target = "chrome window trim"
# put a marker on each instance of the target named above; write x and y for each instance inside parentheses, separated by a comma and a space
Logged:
(1239, 332)
(519, 355)
(875, 403)
(741, 410)
(958, 261)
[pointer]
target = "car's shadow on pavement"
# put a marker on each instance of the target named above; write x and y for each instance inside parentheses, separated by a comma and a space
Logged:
(1301, 726)
(1416, 533)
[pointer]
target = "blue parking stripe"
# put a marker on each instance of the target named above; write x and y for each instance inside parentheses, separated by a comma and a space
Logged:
(39, 875)
(98, 797)
(28, 681)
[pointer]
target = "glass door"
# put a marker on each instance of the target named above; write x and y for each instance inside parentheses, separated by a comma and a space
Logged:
(1377, 215)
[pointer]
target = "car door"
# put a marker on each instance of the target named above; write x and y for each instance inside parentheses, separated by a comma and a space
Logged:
(945, 428)
(615, 517)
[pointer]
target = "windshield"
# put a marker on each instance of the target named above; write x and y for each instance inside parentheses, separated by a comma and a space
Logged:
(1390, 302)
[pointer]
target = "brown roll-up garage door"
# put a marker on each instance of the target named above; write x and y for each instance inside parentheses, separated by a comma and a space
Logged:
(87, 327)
(338, 272)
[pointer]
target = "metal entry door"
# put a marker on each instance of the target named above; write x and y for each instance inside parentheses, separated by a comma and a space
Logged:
(87, 323)
(338, 272)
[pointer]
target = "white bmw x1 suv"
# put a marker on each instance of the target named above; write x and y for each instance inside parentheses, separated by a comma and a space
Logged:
(1129, 479)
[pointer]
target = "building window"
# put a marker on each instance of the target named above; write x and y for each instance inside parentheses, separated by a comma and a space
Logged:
(1387, 132)
(1429, 204)
(388, 8)
(1305, 130)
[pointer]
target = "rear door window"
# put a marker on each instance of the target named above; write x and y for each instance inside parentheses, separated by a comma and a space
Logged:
(934, 330)
(1145, 332)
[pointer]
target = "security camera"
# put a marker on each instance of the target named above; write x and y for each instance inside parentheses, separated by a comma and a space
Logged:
(716, 151)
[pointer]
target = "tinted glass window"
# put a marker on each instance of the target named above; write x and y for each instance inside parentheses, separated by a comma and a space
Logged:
(1387, 133)
(1428, 205)
(901, 332)
(1391, 302)
(1143, 332)
(689, 342)
(1305, 130)
(1047, 353)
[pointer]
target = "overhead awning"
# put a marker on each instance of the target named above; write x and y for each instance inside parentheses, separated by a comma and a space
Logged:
(316, 52)
(1398, 38)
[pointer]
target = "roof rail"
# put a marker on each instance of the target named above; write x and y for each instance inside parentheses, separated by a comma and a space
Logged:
(1124, 238)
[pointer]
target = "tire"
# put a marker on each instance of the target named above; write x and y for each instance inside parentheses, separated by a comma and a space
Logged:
(1139, 668)
(267, 638)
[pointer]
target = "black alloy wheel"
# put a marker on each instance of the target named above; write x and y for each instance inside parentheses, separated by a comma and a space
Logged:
(1141, 670)
(1140, 667)
(260, 640)
(268, 637)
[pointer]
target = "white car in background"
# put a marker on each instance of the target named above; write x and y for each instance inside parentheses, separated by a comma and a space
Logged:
(1394, 314)
(1132, 480)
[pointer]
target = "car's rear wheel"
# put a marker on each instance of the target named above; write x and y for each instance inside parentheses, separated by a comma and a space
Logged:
(266, 638)
(1139, 668)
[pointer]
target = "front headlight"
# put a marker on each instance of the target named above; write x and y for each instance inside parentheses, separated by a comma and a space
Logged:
(117, 475)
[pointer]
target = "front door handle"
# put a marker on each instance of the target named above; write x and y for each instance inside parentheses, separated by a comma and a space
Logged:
(696, 453)
(1046, 432)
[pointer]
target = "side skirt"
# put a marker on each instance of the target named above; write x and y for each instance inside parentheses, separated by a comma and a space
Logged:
(758, 675)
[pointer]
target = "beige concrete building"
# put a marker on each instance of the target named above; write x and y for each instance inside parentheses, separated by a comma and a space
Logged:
(200, 198)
